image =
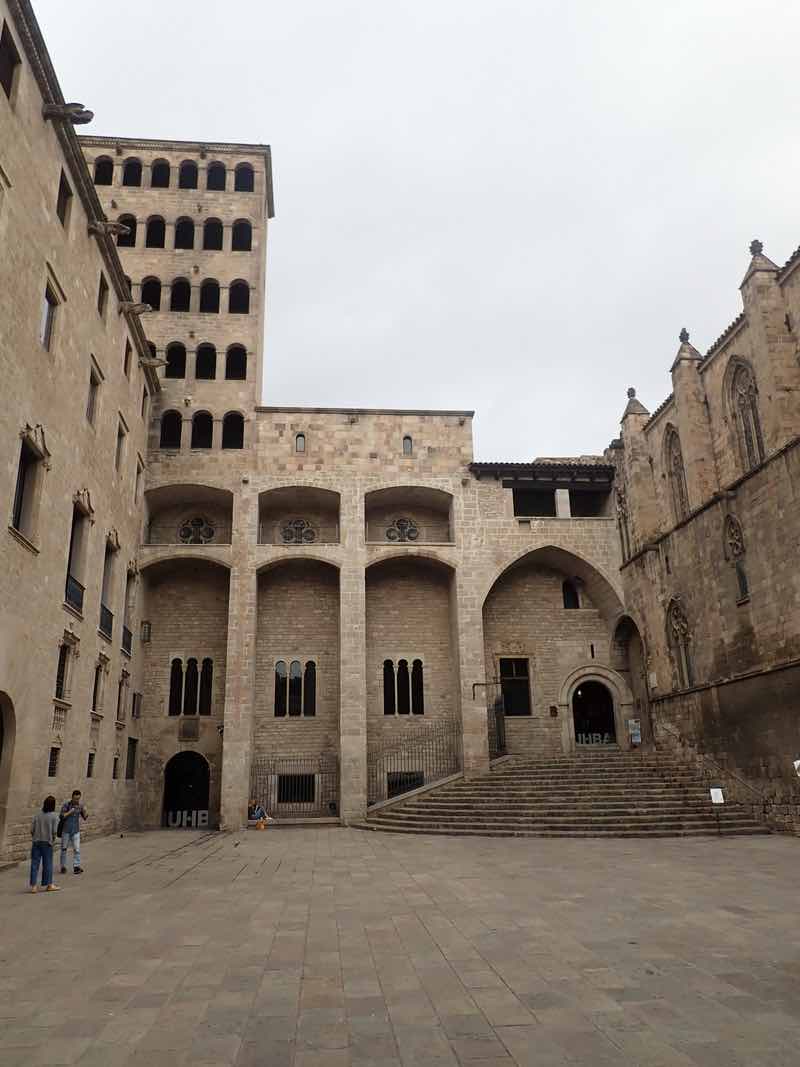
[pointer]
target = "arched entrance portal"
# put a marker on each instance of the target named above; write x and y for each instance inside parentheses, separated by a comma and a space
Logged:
(186, 781)
(7, 724)
(593, 712)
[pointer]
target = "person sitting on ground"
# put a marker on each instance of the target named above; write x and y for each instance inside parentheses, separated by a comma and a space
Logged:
(256, 811)
(43, 832)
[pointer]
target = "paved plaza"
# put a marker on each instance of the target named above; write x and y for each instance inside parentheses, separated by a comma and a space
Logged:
(330, 947)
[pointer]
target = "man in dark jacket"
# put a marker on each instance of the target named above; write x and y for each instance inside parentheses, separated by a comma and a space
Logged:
(72, 811)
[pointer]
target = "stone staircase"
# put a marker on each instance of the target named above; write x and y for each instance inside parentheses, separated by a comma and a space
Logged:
(599, 792)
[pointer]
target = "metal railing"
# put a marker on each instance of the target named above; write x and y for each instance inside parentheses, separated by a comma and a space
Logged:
(387, 532)
(73, 594)
(424, 755)
(168, 534)
(292, 535)
(106, 626)
(127, 640)
(296, 786)
(497, 729)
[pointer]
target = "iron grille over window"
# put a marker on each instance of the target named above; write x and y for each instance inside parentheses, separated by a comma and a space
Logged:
(52, 764)
(196, 531)
(402, 530)
(298, 532)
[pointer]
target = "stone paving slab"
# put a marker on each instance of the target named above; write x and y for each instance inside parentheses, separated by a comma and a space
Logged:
(330, 947)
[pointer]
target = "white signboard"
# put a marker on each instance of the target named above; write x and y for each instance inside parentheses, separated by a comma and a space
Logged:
(635, 731)
(717, 797)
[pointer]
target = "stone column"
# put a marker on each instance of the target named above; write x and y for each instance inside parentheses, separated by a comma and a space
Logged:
(466, 619)
(237, 741)
(352, 660)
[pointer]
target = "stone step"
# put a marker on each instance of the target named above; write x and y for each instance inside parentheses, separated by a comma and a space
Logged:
(617, 810)
(632, 821)
(743, 829)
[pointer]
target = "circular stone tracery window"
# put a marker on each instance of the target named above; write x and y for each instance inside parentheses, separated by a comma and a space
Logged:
(196, 531)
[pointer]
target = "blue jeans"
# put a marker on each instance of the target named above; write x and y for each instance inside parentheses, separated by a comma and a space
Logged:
(75, 841)
(42, 852)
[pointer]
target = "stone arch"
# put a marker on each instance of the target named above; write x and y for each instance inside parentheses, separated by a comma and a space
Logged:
(409, 513)
(741, 408)
(8, 729)
(187, 788)
(168, 506)
(295, 515)
(675, 473)
(629, 657)
(618, 688)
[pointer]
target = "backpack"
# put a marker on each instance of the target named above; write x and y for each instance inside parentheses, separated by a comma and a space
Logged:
(60, 827)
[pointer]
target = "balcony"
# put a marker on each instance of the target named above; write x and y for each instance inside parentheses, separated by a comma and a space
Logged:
(127, 640)
(191, 515)
(73, 594)
(298, 532)
(298, 515)
(408, 515)
(106, 626)
(194, 530)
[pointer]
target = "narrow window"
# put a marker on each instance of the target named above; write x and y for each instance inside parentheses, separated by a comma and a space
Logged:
(748, 423)
(295, 687)
(205, 364)
(176, 361)
(389, 702)
(209, 296)
(171, 424)
(569, 594)
(90, 766)
(52, 763)
(137, 488)
(403, 690)
(132, 172)
(310, 689)
(741, 578)
(9, 61)
(515, 687)
(115, 768)
(64, 201)
(126, 360)
(242, 236)
(280, 689)
(190, 688)
(49, 305)
(239, 298)
(127, 240)
(119, 456)
(102, 296)
(233, 430)
(202, 430)
(159, 174)
(212, 235)
(97, 686)
(130, 762)
(103, 171)
(91, 403)
(236, 364)
(206, 676)
(184, 233)
(61, 670)
(187, 176)
(144, 402)
(175, 687)
(107, 592)
(75, 560)
(151, 293)
(122, 686)
(300, 442)
(243, 182)
(417, 688)
(215, 177)
(408, 445)
(676, 474)
(156, 232)
(23, 495)
(180, 295)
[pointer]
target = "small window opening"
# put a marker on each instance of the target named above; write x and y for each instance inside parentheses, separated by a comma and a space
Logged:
(127, 240)
(536, 503)
(102, 295)
(126, 360)
(24, 494)
(389, 701)
(190, 687)
(239, 298)
(202, 430)
(244, 180)
(64, 201)
(408, 445)
(205, 364)
(130, 762)
(515, 686)
(281, 678)
(591, 651)
(103, 171)
(209, 296)
(215, 177)
(184, 233)
(212, 235)
(120, 452)
(115, 768)
(61, 670)
(91, 402)
(176, 361)
(156, 233)
(741, 579)
(403, 688)
(569, 594)
(295, 688)
(180, 295)
(187, 178)
(171, 425)
(233, 430)
(132, 172)
(175, 687)
(52, 763)
(90, 766)
(417, 688)
(300, 442)
(159, 174)
(242, 236)
(236, 363)
(151, 293)
(206, 678)
(9, 61)
(49, 305)
(310, 689)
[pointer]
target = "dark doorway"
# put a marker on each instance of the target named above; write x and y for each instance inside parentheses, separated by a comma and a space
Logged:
(593, 710)
(186, 791)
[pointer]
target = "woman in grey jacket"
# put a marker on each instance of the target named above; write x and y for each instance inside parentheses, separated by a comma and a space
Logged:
(43, 832)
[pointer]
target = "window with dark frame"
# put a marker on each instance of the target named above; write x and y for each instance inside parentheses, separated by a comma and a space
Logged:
(9, 61)
(52, 763)
(91, 402)
(22, 516)
(126, 359)
(115, 769)
(130, 762)
(296, 788)
(61, 670)
(569, 595)
(515, 686)
(102, 295)
(64, 200)
(295, 689)
(49, 305)
(90, 766)
(119, 454)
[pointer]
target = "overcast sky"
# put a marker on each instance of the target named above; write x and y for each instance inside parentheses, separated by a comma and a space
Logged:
(506, 206)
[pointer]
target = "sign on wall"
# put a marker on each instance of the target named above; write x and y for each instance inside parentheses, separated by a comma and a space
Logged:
(187, 820)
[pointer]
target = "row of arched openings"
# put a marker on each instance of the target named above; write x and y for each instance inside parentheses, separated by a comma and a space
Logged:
(403, 690)
(202, 430)
(295, 689)
(205, 362)
(181, 295)
(156, 234)
(190, 688)
(188, 174)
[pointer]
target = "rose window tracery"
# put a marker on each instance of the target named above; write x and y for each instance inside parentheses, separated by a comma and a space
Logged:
(298, 532)
(196, 531)
(402, 530)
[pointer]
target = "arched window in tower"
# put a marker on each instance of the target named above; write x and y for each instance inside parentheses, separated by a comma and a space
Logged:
(403, 688)
(103, 171)
(127, 240)
(159, 174)
(239, 298)
(187, 176)
(151, 293)
(171, 425)
(212, 235)
(175, 687)
(206, 678)
(244, 180)
(236, 364)
(735, 553)
(176, 361)
(209, 296)
(190, 687)
(300, 442)
(295, 687)
(678, 639)
(676, 475)
(184, 233)
(408, 445)
(181, 295)
(280, 689)
(569, 594)
(744, 401)
(215, 177)
(205, 363)
(156, 232)
(417, 688)
(310, 689)
(202, 430)
(242, 236)
(389, 701)
(131, 172)
(233, 430)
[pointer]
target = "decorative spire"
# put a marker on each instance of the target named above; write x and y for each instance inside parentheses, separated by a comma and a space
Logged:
(756, 247)
(683, 336)
(634, 406)
(631, 393)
